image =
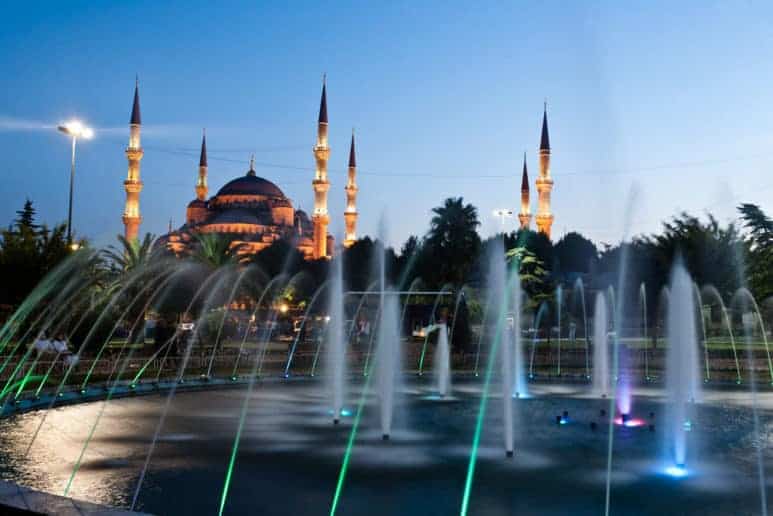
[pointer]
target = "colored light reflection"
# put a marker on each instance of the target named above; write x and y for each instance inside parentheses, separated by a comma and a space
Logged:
(676, 471)
(344, 412)
(629, 423)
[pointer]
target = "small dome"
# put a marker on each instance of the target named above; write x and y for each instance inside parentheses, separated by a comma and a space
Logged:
(251, 185)
(197, 203)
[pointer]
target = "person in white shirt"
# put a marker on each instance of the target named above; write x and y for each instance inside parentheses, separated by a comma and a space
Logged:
(60, 346)
(43, 344)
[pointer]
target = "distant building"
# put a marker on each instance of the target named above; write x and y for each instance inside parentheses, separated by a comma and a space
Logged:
(544, 182)
(250, 209)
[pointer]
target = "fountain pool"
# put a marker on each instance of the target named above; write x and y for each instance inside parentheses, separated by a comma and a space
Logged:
(290, 454)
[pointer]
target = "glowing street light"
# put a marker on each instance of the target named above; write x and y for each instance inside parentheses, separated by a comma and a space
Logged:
(503, 214)
(74, 129)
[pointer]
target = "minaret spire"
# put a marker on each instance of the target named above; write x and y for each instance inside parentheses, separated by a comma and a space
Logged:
(544, 181)
(201, 183)
(133, 184)
(320, 217)
(524, 216)
(350, 213)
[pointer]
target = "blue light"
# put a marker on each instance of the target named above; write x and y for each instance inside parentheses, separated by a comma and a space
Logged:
(344, 412)
(563, 421)
(687, 426)
(676, 471)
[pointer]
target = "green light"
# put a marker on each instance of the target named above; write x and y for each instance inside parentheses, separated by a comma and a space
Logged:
(481, 414)
(350, 445)
(423, 351)
(235, 449)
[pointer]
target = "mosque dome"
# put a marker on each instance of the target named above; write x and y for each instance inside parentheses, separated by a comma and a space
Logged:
(251, 185)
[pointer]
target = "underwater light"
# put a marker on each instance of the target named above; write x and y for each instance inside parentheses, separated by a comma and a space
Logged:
(676, 471)
(687, 426)
(83, 391)
(233, 378)
(627, 421)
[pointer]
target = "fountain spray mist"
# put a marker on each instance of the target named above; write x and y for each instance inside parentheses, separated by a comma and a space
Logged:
(521, 385)
(443, 362)
(600, 348)
(336, 355)
(682, 369)
(388, 368)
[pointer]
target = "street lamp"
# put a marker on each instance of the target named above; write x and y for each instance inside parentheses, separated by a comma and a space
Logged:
(503, 214)
(74, 129)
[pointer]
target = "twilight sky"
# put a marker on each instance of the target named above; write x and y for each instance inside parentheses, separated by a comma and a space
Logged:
(670, 99)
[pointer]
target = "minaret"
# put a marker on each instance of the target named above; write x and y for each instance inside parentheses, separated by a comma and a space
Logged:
(350, 213)
(544, 181)
(201, 182)
(524, 216)
(321, 185)
(133, 185)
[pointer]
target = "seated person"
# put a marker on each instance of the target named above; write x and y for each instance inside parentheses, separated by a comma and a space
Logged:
(59, 345)
(43, 344)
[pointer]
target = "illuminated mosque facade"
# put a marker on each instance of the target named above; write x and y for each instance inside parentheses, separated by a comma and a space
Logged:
(251, 210)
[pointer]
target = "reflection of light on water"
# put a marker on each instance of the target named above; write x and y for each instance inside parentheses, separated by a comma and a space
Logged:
(629, 423)
(344, 412)
(676, 471)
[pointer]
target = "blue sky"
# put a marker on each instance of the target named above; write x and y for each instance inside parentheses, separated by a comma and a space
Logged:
(672, 99)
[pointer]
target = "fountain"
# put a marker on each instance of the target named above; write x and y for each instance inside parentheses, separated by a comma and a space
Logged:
(601, 374)
(388, 360)
(443, 362)
(682, 371)
(336, 339)
(521, 386)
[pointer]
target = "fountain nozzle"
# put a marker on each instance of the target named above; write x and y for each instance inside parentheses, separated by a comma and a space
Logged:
(336, 421)
(509, 454)
(385, 437)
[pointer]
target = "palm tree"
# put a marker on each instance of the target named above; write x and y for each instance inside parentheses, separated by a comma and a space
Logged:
(453, 242)
(216, 250)
(132, 254)
(127, 267)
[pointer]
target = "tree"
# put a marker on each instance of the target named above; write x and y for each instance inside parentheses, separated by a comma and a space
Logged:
(131, 265)
(452, 243)
(759, 261)
(575, 253)
(533, 275)
(280, 256)
(27, 252)
(215, 250)
(26, 220)
(710, 252)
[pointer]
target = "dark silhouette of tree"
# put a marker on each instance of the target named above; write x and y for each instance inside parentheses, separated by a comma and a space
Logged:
(575, 253)
(452, 243)
(27, 252)
(26, 219)
(759, 261)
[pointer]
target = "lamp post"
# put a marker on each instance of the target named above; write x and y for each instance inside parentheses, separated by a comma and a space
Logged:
(74, 129)
(503, 214)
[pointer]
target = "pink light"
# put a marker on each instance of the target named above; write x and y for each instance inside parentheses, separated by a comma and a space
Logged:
(631, 423)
